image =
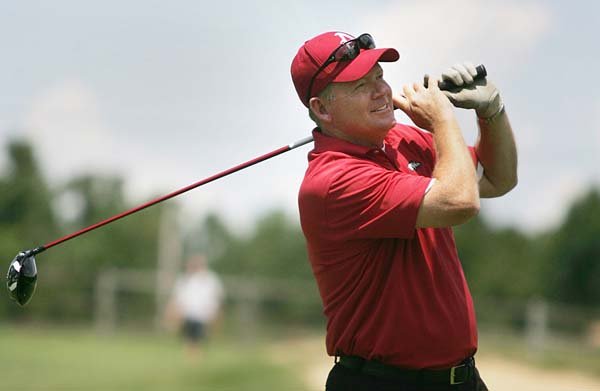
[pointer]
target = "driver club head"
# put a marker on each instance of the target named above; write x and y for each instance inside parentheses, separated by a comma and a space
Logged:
(21, 278)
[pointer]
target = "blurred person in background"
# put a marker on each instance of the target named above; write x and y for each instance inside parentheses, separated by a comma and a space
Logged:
(377, 204)
(195, 304)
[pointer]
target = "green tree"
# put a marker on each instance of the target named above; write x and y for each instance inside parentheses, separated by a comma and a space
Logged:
(275, 248)
(273, 253)
(26, 216)
(25, 201)
(499, 263)
(127, 243)
(211, 237)
(572, 269)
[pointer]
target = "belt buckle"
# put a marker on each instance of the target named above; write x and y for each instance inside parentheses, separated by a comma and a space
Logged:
(453, 380)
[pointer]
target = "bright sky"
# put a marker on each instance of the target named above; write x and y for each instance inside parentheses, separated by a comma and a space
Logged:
(167, 93)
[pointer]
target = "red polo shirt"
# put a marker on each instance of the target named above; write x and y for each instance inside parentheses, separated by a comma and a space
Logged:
(390, 292)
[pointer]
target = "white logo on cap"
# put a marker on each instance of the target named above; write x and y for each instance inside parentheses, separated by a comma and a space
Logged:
(344, 37)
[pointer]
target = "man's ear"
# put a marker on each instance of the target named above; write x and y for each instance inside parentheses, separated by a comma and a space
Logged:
(319, 110)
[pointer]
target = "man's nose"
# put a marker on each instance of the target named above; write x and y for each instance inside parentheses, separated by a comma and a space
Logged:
(382, 88)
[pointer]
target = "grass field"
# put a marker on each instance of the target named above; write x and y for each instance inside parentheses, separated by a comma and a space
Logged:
(77, 359)
(51, 359)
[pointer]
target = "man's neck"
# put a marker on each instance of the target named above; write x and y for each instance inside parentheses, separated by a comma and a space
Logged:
(341, 135)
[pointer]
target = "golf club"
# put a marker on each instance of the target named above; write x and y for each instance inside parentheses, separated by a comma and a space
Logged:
(21, 278)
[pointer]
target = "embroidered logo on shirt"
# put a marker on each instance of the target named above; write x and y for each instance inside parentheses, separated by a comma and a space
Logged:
(412, 165)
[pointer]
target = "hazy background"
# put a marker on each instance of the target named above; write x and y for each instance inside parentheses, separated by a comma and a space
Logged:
(105, 105)
(165, 94)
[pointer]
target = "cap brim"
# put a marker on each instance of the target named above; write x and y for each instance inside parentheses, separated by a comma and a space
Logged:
(366, 60)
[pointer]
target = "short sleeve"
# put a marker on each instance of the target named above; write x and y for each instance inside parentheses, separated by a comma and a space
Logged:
(474, 156)
(369, 201)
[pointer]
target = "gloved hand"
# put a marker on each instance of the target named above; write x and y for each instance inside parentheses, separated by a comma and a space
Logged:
(480, 95)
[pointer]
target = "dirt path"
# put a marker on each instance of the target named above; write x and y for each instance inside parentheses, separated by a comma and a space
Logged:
(500, 374)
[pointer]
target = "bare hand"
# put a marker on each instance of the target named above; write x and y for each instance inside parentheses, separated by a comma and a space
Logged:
(427, 107)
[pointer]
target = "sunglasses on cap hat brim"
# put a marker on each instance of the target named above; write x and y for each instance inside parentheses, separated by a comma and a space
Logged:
(347, 51)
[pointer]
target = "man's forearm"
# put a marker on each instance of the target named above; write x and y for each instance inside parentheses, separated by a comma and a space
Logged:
(454, 166)
(497, 153)
(454, 197)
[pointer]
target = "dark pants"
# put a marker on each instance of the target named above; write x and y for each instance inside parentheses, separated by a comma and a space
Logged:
(346, 379)
(192, 330)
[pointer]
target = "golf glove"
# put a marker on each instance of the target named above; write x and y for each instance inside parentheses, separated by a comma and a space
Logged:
(481, 95)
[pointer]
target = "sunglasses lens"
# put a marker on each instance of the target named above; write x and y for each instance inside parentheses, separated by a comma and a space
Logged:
(366, 41)
(347, 52)
(351, 49)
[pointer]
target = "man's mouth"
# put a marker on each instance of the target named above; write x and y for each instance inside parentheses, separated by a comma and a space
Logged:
(381, 108)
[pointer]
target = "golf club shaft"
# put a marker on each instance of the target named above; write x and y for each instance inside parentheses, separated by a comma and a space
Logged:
(481, 73)
(231, 170)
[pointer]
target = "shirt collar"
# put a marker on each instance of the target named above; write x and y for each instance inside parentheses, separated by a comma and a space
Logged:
(324, 143)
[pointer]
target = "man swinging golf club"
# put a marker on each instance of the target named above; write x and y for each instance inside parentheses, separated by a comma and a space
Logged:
(377, 205)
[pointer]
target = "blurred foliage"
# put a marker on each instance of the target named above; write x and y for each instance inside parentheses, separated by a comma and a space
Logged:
(273, 256)
(275, 248)
(24, 208)
(32, 215)
(498, 262)
(561, 264)
(572, 267)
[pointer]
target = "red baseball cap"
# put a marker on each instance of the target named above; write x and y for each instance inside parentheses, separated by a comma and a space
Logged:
(315, 52)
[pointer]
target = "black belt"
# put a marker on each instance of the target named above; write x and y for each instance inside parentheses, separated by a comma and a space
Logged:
(458, 374)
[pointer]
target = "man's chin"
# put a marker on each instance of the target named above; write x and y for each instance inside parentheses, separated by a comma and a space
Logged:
(387, 124)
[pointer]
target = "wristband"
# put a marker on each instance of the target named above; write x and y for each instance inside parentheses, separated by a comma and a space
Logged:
(493, 118)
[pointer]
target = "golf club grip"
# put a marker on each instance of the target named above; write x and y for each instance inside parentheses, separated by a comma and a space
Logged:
(449, 84)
